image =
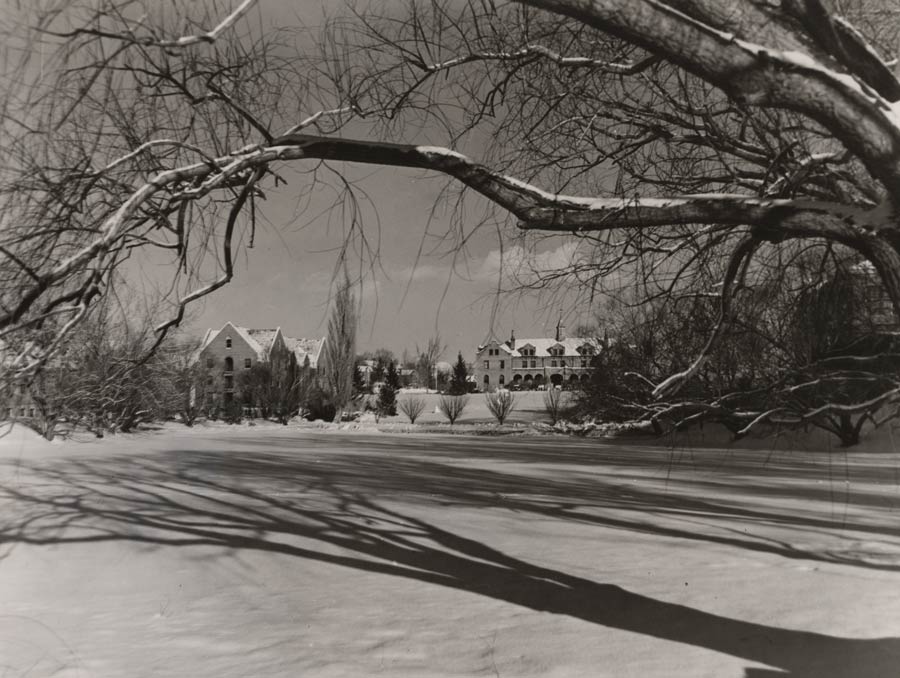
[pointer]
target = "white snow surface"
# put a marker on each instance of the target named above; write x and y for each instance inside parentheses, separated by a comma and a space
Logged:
(283, 552)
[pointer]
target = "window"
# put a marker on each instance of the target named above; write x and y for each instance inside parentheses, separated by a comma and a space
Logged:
(487, 364)
(502, 380)
(228, 342)
(534, 363)
(209, 362)
(502, 364)
(229, 382)
(553, 363)
(584, 362)
(209, 380)
(487, 380)
(247, 363)
(229, 364)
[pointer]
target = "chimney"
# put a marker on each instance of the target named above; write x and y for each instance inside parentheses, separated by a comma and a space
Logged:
(560, 331)
(512, 340)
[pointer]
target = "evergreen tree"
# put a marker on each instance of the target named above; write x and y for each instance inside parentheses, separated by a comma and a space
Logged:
(387, 396)
(392, 376)
(458, 379)
(378, 370)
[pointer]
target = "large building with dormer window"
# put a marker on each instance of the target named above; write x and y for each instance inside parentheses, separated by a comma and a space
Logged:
(534, 363)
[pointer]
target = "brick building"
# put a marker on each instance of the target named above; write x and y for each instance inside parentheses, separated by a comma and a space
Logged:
(227, 353)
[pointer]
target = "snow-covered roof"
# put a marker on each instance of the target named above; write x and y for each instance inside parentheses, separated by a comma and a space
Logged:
(542, 345)
(263, 337)
(304, 348)
(260, 340)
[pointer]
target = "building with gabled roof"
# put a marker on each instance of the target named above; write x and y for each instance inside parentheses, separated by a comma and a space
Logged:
(536, 362)
(232, 351)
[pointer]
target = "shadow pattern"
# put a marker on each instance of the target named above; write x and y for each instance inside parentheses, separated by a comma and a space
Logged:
(268, 496)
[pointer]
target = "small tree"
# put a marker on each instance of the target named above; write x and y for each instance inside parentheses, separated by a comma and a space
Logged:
(392, 377)
(378, 371)
(387, 396)
(452, 406)
(257, 387)
(553, 404)
(412, 407)
(501, 404)
(459, 377)
(427, 360)
(188, 385)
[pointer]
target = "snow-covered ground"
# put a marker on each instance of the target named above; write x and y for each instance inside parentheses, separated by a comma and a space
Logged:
(281, 552)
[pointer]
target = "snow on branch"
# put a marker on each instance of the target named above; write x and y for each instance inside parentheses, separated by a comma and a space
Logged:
(613, 67)
(762, 62)
(152, 41)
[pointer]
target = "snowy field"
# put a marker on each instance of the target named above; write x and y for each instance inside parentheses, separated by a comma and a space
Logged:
(277, 552)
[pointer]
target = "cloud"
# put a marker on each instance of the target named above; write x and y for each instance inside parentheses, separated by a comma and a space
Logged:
(524, 265)
(418, 273)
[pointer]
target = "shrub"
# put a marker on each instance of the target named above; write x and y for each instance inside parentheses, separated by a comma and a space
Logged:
(387, 400)
(452, 406)
(501, 404)
(233, 413)
(553, 404)
(412, 408)
(320, 406)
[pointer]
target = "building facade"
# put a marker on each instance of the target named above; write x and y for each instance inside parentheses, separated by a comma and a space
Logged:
(232, 351)
(535, 362)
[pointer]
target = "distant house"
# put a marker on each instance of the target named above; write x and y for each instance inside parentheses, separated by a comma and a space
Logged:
(227, 353)
(535, 362)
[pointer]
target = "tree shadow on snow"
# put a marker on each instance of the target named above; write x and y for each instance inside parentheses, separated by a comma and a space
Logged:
(305, 505)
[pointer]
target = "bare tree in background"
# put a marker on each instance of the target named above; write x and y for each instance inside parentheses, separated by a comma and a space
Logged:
(673, 140)
(427, 359)
(340, 348)
(452, 406)
(412, 407)
(500, 404)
